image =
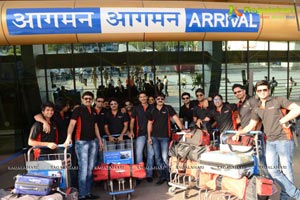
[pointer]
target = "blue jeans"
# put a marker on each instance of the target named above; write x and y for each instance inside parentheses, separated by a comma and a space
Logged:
(161, 148)
(279, 158)
(86, 155)
(140, 143)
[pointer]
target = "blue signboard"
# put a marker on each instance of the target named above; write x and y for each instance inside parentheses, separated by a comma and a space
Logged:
(220, 20)
(31, 21)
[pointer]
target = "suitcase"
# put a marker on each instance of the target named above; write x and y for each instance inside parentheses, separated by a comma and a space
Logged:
(55, 196)
(229, 164)
(35, 184)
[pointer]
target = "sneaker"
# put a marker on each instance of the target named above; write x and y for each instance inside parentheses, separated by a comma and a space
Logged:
(149, 179)
(91, 196)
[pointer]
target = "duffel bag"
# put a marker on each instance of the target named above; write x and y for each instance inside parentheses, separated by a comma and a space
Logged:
(117, 171)
(177, 165)
(192, 168)
(195, 152)
(237, 187)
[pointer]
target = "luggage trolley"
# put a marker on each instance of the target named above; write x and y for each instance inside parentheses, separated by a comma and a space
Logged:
(186, 179)
(251, 152)
(119, 153)
(55, 164)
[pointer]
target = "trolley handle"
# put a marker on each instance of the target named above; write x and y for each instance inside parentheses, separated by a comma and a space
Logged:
(44, 147)
(249, 133)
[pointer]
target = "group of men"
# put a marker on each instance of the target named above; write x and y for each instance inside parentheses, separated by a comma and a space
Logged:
(149, 125)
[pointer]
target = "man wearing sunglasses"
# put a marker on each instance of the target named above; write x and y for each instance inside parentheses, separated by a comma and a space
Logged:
(159, 133)
(279, 144)
(86, 132)
(245, 104)
(186, 110)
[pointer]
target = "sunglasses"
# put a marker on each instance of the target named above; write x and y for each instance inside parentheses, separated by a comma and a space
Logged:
(199, 95)
(113, 104)
(217, 99)
(185, 98)
(88, 99)
(262, 90)
(160, 99)
(99, 101)
(237, 92)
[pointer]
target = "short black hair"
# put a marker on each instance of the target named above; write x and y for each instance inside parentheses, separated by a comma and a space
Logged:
(47, 104)
(200, 90)
(237, 85)
(88, 93)
(185, 94)
(160, 95)
(60, 103)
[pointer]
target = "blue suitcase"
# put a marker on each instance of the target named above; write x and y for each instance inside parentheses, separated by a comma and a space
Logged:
(35, 184)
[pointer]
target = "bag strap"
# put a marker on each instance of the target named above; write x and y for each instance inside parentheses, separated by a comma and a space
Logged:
(238, 151)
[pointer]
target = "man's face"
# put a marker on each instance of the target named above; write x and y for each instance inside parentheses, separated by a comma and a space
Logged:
(262, 91)
(143, 98)
(114, 105)
(218, 101)
(99, 102)
(160, 100)
(186, 99)
(239, 93)
(199, 96)
(87, 100)
(48, 112)
(128, 105)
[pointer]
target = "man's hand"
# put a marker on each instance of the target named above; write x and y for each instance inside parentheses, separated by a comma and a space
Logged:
(120, 138)
(101, 145)
(46, 127)
(67, 143)
(51, 145)
(131, 134)
(149, 140)
(236, 137)
(111, 139)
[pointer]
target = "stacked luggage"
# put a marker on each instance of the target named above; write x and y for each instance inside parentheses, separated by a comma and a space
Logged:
(227, 172)
(184, 160)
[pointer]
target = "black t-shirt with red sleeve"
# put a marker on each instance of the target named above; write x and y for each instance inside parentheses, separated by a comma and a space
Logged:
(85, 126)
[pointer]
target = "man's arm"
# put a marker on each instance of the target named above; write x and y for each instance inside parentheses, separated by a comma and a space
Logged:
(294, 111)
(46, 126)
(246, 129)
(98, 136)
(32, 142)
(178, 122)
(149, 130)
(70, 132)
(131, 126)
(110, 138)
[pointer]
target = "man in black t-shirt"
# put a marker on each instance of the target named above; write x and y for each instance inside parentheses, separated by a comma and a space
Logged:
(38, 137)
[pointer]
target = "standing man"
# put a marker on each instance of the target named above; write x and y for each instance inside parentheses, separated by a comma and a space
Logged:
(279, 144)
(116, 122)
(165, 82)
(100, 110)
(244, 106)
(186, 110)
(138, 128)
(159, 133)
(84, 117)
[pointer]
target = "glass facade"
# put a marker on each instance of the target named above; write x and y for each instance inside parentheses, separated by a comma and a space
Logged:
(125, 68)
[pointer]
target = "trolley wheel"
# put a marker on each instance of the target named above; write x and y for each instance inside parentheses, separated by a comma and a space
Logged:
(185, 194)
(172, 190)
(129, 196)
(114, 197)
